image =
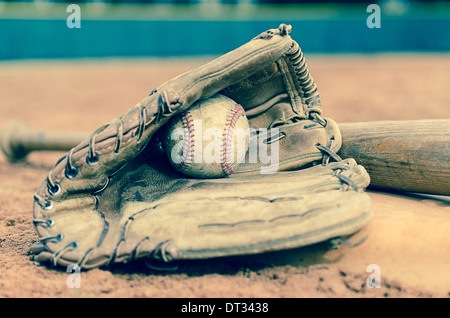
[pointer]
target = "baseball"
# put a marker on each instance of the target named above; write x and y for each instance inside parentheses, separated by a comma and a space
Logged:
(208, 140)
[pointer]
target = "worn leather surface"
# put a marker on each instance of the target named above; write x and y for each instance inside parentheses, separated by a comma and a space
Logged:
(115, 198)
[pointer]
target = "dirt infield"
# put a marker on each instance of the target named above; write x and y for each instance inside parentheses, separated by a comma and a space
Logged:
(408, 238)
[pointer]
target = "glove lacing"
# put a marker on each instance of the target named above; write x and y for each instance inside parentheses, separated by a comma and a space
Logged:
(166, 106)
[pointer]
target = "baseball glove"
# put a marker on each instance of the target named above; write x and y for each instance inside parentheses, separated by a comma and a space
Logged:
(115, 197)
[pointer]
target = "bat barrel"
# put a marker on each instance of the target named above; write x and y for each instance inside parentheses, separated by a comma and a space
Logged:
(409, 155)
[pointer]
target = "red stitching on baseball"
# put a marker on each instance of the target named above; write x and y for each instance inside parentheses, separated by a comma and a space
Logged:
(188, 146)
(228, 137)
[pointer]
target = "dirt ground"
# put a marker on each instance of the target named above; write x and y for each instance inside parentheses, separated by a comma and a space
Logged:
(408, 238)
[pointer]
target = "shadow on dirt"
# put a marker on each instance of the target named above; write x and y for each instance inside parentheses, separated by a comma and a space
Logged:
(317, 254)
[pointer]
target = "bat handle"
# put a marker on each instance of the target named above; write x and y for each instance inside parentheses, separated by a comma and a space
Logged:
(17, 140)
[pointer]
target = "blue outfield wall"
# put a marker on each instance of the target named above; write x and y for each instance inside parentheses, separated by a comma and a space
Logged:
(51, 38)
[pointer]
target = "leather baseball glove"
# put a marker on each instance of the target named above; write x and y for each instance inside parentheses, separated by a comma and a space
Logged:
(115, 198)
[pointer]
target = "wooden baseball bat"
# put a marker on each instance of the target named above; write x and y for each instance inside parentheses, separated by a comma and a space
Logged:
(404, 155)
